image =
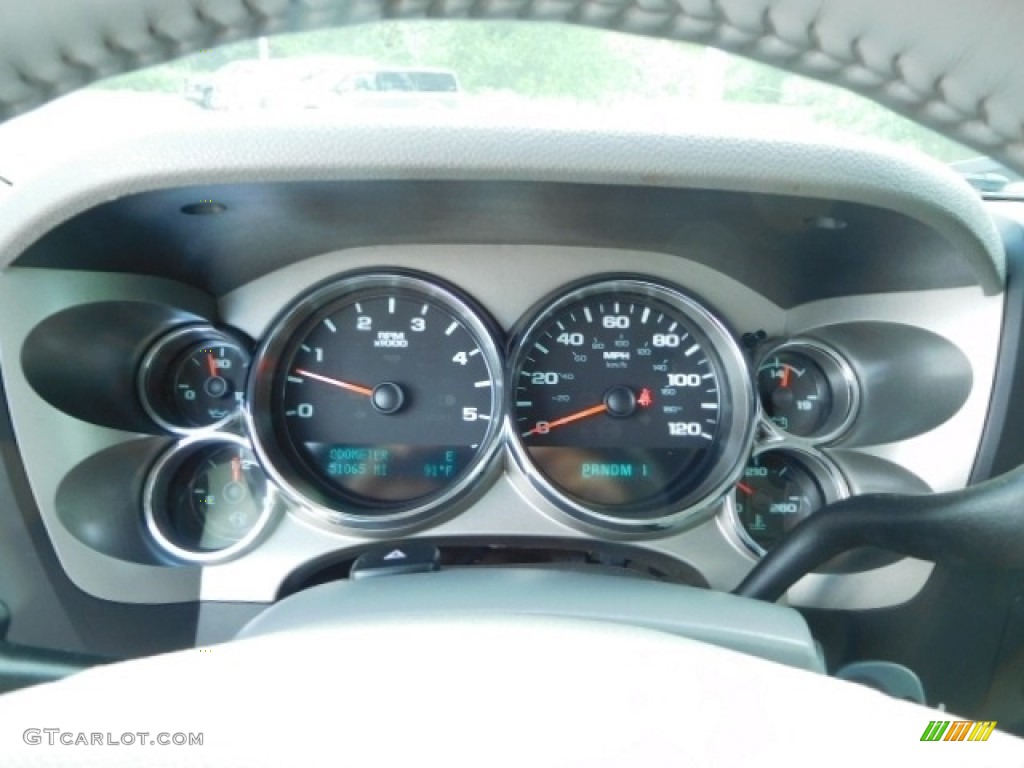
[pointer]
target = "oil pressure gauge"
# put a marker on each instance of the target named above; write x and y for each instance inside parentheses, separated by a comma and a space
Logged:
(194, 379)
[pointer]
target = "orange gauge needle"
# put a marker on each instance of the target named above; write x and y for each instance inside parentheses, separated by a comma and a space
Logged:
(785, 376)
(538, 430)
(236, 469)
(336, 382)
(745, 488)
(212, 363)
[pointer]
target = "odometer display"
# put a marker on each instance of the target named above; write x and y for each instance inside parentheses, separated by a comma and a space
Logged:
(386, 400)
(628, 399)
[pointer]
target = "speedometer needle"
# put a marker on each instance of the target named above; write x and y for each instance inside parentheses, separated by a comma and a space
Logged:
(336, 382)
(545, 427)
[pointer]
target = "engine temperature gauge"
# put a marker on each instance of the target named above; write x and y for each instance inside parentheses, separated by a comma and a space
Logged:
(779, 489)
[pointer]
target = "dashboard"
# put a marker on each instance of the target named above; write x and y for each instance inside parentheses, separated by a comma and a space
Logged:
(280, 377)
(250, 362)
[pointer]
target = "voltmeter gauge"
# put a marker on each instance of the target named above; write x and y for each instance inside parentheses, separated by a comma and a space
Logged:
(194, 379)
(807, 390)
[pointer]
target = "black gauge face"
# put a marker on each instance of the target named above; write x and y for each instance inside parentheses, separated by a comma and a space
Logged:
(621, 401)
(194, 378)
(207, 499)
(777, 492)
(209, 382)
(386, 398)
(795, 393)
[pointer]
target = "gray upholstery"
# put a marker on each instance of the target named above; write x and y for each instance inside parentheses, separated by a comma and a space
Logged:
(959, 81)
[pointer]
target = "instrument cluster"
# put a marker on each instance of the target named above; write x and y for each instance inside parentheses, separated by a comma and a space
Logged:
(381, 401)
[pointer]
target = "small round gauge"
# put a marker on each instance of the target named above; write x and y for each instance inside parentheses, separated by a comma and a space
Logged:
(807, 390)
(779, 489)
(384, 399)
(207, 499)
(209, 382)
(194, 378)
(632, 406)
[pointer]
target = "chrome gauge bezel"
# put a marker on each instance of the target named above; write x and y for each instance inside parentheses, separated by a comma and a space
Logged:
(737, 429)
(842, 381)
(154, 499)
(830, 479)
(258, 410)
(161, 356)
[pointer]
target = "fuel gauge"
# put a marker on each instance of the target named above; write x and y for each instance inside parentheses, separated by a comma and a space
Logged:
(208, 499)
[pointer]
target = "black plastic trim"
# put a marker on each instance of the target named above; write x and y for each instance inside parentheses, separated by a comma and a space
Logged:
(772, 243)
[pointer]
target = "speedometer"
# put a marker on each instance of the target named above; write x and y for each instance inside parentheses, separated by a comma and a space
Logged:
(377, 400)
(631, 404)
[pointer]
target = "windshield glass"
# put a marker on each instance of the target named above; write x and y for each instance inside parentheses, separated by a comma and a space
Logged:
(512, 68)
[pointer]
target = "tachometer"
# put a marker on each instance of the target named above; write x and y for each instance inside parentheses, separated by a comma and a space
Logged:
(631, 404)
(383, 401)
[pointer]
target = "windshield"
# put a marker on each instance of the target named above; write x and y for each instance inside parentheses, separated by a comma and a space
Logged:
(512, 68)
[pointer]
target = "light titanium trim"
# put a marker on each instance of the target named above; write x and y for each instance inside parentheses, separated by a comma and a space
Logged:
(735, 439)
(258, 409)
(843, 383)
(826, 474)
(158, 484)
(162, 354)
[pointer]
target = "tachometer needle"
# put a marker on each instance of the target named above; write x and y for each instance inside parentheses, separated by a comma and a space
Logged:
(211, 362)
(545, 427)
(745, 488)
(336, 382)
(236, 469)
(785, 376)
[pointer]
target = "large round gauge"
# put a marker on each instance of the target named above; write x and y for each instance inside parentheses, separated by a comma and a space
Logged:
(379, 399)
(631, 405)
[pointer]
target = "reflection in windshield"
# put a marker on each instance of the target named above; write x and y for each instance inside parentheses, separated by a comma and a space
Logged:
(510, 67)
(497, 72)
